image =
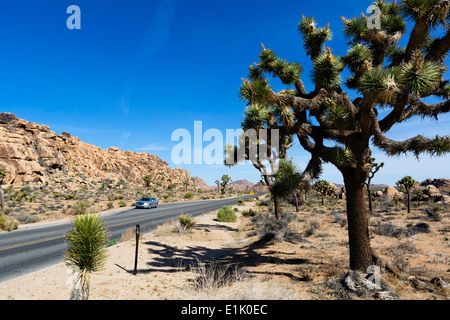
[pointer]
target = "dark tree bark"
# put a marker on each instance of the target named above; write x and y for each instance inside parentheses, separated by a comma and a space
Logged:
(358, 232)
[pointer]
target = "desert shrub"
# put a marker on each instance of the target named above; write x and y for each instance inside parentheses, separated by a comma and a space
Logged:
(240, 202)
(186, 223)
(392, 230)
(165, 196)
(8, 223)
(188, 195)
(271, 228)
(26, 218)
(112, 242)
(110, 205)
(249, 213)
(341, 220)
(80, 208)
(226, 214)
(122, 203)
(311, 226)
(213, 275)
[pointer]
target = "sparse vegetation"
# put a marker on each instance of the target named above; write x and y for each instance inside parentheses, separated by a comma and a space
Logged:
(226, 214)
(186, 223)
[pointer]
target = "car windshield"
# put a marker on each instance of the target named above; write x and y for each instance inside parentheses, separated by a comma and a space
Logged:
(145, 199)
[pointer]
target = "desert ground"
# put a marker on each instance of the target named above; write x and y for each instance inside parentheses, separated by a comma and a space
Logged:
(302, 257)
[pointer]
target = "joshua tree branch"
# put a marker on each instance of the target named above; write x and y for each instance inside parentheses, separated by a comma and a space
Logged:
(417, 145)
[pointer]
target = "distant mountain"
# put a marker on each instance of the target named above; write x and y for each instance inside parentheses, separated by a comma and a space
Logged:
(241, 185)
(373, 187)
(31, 154)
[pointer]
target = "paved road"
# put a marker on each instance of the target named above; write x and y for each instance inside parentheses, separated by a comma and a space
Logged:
(29, 250)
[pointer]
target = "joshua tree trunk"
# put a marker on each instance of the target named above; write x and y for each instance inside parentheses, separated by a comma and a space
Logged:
(408, 195)
(277, 207)
(359, 242)
(322, 200)
(2, 204)
(370, 198)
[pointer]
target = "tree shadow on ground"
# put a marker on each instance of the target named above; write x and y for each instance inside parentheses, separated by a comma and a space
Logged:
(165, 258)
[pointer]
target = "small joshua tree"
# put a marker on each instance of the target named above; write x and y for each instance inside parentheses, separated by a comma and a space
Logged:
(406, 183)
(323, 187)
(224, 182)
(2, 176)
(287, 179)
(86, 251)
(148, 180)
(375, 168)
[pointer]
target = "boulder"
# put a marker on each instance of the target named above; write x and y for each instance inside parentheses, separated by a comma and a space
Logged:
(391, 193)
(432, 191)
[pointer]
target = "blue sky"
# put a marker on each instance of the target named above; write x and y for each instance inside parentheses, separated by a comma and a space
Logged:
(138, 70)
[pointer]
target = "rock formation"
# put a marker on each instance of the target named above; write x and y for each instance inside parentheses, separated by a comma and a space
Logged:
(31, 154)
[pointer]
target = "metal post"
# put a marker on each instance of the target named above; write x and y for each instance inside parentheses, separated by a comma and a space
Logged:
(138, 231)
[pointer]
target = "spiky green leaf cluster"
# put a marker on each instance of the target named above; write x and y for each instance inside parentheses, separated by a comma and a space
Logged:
(423, 9)
(327, 70)
(266, 59)
(419, 76)
(313, 38)
(379, 84)
(255, 117)
(355, 28)
(439, 147)
(337, 114)
(286, 180)
(86, 241)
(357, 57)
(256, 91)
(343, 157)
(284, 115)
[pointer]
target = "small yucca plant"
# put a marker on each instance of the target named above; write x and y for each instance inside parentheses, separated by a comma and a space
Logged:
(86, 251)
(186, 223)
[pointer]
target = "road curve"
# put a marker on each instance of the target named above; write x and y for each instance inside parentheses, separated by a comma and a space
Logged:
(28, 250)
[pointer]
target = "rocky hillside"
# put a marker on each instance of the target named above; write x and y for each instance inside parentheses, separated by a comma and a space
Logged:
(31, 154)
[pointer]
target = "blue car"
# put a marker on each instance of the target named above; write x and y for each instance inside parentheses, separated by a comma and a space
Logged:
(147, 203)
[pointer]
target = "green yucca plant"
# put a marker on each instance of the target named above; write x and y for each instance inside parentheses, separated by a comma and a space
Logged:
(86, 251)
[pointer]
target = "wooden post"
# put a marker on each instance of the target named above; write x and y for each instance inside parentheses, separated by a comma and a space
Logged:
(137, 249)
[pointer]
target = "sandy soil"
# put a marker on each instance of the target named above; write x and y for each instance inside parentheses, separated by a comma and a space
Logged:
(178, 266)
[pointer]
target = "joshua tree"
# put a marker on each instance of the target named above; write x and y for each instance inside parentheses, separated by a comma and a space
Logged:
(2, 176)
(287, 179)
(194, 180)
(148, 180)
(383, 74)
(375, 168)
(217, 182)
(259, 118)
(406, 183)
(323, 187)
(224, 182)
(86, 253)
(186, 183)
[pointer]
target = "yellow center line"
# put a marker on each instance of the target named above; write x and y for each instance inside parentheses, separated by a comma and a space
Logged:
(63, 236)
